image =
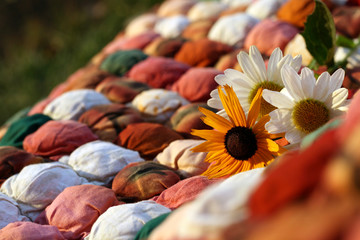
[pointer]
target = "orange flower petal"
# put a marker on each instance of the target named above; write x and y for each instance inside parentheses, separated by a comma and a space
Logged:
(232, 106)
(222, 163)
(208, 146)
(254, 109)
(209, 135)
(215, 121)
(260, 125)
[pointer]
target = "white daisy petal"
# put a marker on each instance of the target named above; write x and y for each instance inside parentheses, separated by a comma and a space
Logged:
(245, 82)
(258, 62)
(223, 114)
(286, 60)
(339, 111)
(296, 63)
(274, 128)
(292, 82)
(337, 98)
(280, 121)
(294, 136)
(222, 80)
(286, 93)
(233, 74)
(277, 73)
(241, 86)
(238, 78)
(248, 68)
(245, 106)
(307, 82)
(280, 115)
(322, 90)
(276, 77)
(346, 104)
(215, 103)
(272, 70)
(215, 94)
(337, 79)
(277, 99)
(242, 93)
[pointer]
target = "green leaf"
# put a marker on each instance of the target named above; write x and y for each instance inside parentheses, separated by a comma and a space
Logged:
(345, 42)
(320, 34)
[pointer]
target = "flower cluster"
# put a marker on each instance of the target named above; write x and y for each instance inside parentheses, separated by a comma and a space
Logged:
(305, 104)
(261, 104)
(238, 144)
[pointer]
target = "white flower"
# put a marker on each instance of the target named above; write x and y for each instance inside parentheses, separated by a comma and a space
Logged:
(305, 104)
(254, 76)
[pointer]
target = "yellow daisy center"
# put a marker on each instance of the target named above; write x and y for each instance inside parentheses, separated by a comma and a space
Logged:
(240, 143)
(310, 114)
(265, 107)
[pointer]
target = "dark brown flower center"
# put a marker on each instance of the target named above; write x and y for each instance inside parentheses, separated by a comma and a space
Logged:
(240, 142)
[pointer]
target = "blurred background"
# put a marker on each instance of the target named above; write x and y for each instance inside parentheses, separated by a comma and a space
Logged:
(42, 42)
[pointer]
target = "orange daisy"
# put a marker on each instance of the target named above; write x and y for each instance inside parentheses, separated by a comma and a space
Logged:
(237, 145)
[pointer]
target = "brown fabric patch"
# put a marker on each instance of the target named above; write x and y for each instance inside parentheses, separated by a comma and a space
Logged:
(55, 139)
(270, 34)
(158, 72)
(107, 121)
(196, 84)
(148, 139)
(121, 89)
(164, 47)
(202, 53)
(86, 77)
(347, 20)
(12, 160)
(295, 12)
(198, 29)
(141, 181)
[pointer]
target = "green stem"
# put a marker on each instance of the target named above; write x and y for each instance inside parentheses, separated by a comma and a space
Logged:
(313, 65)
(343, 63)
